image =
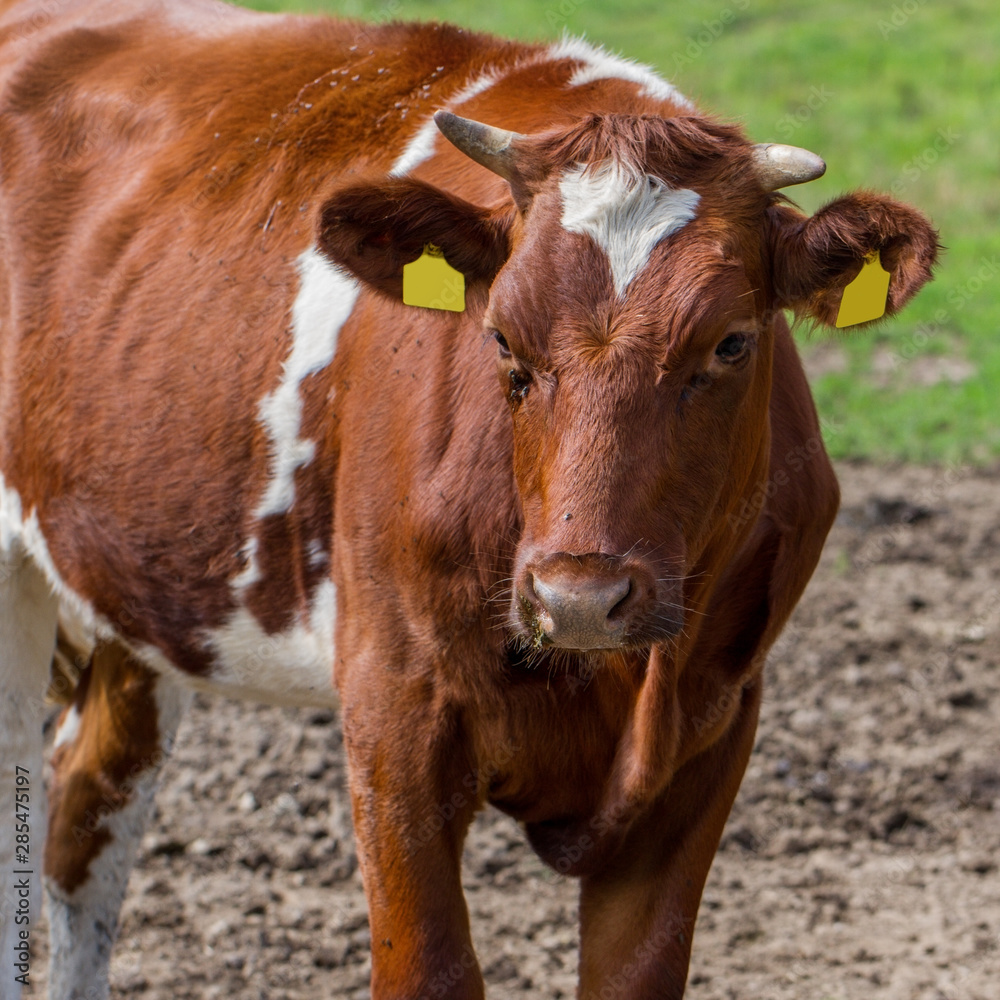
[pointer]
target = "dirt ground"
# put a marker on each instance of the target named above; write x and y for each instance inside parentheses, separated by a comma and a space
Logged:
(860, 860)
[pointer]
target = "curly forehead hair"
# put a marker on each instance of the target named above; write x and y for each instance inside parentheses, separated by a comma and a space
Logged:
(677, 149)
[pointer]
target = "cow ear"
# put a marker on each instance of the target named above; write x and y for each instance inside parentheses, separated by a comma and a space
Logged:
(815, 258)
(373, 229)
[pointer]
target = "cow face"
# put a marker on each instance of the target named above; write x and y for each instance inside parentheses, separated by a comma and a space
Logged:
(634, 285)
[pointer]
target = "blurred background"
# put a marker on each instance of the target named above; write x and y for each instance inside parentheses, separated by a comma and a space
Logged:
(902, 97)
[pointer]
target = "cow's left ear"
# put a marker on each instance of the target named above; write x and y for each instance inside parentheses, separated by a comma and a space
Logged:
(373, 229)
(815, 258)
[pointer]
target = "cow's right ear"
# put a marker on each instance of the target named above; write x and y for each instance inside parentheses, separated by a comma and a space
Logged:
(373, 229)
(815, 258)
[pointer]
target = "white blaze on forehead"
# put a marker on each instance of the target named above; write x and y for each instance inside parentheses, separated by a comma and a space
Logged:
(325, 300)
(625, 215)
(601, 65)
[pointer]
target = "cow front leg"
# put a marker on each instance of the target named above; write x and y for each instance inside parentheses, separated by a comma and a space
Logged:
(110, 748)
(27, 639)
(637, 914)
(412, 798)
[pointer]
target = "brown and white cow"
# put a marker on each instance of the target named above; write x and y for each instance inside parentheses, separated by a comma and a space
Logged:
(569, 520)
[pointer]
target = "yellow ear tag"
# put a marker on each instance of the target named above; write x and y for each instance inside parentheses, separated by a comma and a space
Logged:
(432, 283)
(865, 297)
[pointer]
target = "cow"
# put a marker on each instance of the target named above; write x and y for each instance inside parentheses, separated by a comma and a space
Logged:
(532, 530)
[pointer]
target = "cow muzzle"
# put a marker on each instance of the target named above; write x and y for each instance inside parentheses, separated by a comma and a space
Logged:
(591, 601)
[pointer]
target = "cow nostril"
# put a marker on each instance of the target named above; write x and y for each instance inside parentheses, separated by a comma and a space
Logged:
(584, 602)
(623, 600)
(587, 601)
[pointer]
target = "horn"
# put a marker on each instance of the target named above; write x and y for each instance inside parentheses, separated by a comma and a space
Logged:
(779, 166)
(491, 147)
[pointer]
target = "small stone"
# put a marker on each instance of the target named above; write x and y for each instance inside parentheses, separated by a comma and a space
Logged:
(976, 862)
(285, 805)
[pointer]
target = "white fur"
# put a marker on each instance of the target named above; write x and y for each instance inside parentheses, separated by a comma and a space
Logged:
(626, 216)
(83, 925)
(294, 667)
(28, 612)
(316, 554)
(596, 65)
(78, 633)
(251, 573)
(601, 65)
(324, 302)
(418, 149)
(421, 146)
(69, 728)
(76, 616)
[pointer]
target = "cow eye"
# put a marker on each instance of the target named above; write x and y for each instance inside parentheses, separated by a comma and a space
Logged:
(502, 344)
(732, 348)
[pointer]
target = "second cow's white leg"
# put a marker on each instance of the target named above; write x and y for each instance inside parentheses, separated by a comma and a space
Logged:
(27, 638)
(111, 747)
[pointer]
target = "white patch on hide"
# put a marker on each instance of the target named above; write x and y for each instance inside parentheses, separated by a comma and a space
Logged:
(69, 727)
(421, 146)
(250, 574)
(601, 65)
(293, 667)
(316, 554)
(625, 215)
(324, 302)
(596, 65)
(24, 533)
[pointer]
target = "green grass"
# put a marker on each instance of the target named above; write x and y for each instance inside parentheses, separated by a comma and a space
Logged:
(884, 86)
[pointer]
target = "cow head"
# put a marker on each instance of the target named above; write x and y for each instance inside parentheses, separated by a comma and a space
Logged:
(631, 283)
